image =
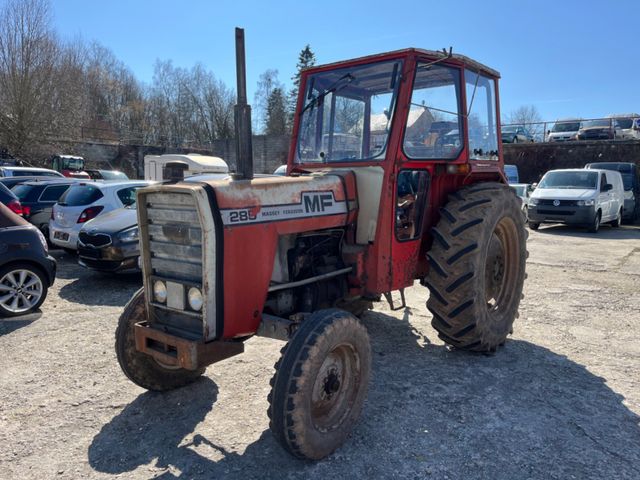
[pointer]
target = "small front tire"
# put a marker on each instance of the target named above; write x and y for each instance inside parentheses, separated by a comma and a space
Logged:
(320, 384)
(142, 369)
(595, 224)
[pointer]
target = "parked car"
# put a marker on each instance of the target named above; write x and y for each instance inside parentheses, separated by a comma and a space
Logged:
(578, 197)
(106, 175)
(83, 202)
(28, 172)
(38, 197)
(8, 198)
(523, 190)
(599, 129)
(26, 269)
(564, 131)
(627, 126)
(631, 183)
(511, 172)
(10, 182)
(109, 243)
(516, 134)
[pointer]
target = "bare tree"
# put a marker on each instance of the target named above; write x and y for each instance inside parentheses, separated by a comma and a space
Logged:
(28, 52)
(267, 83)
(527, 115)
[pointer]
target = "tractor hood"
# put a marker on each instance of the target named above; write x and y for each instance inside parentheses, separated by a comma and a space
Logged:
(283, 199)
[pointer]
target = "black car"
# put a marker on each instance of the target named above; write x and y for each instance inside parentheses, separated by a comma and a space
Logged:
(8, 198)
(11, 182)
(38, 197)
(109, 243)
(26, 269)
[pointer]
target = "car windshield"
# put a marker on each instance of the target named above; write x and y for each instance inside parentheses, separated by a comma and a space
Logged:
(582, 179)
(347, 113)
(624, 122)
(566, 127)
(510, 129)
(602, 123)
(520, 190)
(80, 195)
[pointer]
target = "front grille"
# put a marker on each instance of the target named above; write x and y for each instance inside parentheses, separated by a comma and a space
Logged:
(563, 203)
(171, 239)
(175, 236)
(95, 239)
(555, 212)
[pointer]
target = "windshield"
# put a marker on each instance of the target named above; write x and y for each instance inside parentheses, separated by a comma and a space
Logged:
(566, 127)
(509, 129)
(520, 190)
(582, 179)
(347, 113)
(596, 123)
(624, 122)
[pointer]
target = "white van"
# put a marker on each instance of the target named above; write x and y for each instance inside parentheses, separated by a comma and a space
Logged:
(197, 164)
(578, 197)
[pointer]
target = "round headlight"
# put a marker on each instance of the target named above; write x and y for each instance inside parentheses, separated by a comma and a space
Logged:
(160, 291)
(195, 299)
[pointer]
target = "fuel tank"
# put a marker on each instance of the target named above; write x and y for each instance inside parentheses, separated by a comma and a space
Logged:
(254, 214)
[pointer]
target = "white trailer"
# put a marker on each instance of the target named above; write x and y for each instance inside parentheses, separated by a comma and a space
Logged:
(153, 165)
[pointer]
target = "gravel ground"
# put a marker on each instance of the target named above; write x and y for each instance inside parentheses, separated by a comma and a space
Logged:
(560, 400)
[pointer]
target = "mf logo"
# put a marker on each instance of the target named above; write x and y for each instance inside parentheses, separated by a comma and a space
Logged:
(317, 202)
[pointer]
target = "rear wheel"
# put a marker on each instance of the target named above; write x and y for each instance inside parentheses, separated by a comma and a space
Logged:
(477, 267)
(534, 225)
(142, 369)
(595, 224)
(320, 384)
(23, 288)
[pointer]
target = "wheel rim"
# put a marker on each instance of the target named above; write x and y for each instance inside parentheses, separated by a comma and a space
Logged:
(20, 290)
(502, 264)
(335, 388)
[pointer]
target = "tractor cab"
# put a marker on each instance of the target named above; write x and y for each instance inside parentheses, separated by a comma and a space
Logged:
(70, 166)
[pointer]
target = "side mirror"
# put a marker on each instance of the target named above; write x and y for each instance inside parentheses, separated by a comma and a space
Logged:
(607, 187)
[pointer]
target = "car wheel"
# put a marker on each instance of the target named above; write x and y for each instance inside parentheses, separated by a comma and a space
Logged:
(23, 288)
(515, 140)
(595, 225)
(618, 221)
(534, 225)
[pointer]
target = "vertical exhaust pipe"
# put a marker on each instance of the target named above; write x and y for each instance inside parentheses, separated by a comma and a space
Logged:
(242, 115)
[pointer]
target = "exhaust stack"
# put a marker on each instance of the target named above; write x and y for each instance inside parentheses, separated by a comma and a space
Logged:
(242, 116)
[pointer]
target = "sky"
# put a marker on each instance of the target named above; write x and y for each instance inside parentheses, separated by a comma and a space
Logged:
(568, 58)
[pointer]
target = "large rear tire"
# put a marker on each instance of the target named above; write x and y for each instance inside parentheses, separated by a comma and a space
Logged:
(477, 267)
(142, 369)
(320, 384)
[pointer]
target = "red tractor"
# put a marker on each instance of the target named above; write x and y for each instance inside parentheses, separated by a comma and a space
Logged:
(69, 165)
(394, 175)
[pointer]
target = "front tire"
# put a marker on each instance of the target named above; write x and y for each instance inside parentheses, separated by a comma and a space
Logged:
(534, 225)
(140, 368)
(618, 221)
(477, 267)
(595, 224)
(320, 384)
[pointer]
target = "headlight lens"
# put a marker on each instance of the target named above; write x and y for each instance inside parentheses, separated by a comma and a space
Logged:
(586, 203)
(160, 291)
(533, 201)
(129, 235)
(195, 299)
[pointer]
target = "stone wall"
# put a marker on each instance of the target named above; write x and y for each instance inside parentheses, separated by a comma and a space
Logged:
(534, 159)
(269, 153)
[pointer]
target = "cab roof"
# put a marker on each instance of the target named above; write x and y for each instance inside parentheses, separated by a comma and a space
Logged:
(455, 58)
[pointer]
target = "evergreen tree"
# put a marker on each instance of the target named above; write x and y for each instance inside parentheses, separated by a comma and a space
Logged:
(276, 115)
(306, 59)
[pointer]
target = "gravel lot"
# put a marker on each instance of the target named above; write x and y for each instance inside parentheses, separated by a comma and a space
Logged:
(560, 400)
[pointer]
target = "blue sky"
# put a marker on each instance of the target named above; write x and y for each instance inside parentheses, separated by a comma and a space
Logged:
(568, 58)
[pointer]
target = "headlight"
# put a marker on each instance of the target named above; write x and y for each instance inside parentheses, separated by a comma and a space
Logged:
(533, 201)
(586, 203)
(160, 291)
(195, 299)
(129, 235)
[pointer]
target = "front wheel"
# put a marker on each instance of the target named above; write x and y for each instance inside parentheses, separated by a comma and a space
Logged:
(534, 225)
(618, 221)
(595, 224)
(142, 369)
(477, 267)
(320, 384)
